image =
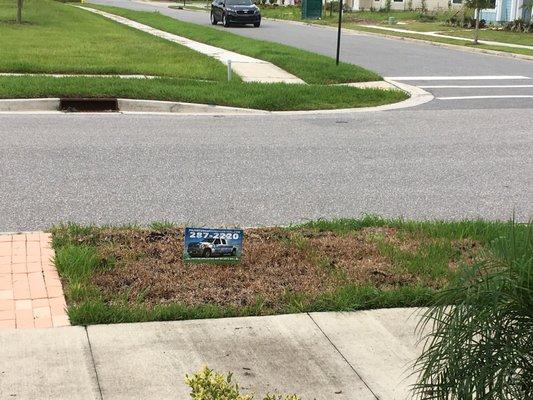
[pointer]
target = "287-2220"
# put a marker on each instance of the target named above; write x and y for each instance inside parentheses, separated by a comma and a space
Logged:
(206, 235)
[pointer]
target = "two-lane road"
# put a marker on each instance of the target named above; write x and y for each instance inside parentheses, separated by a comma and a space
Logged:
(451, 158)
(251, 170)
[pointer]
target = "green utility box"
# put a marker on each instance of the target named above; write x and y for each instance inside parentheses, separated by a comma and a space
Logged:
(311, 9)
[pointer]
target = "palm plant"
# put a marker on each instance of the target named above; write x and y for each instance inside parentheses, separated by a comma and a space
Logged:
(481, 344)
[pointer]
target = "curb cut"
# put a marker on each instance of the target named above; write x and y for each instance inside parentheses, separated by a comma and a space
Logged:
(132, 106)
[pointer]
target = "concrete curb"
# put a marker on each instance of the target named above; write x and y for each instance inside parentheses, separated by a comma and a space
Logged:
(131, 106)
(26, 105)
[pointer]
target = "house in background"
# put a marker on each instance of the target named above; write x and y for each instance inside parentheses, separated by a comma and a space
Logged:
(507, 10)
(503, 11)
(403, 5)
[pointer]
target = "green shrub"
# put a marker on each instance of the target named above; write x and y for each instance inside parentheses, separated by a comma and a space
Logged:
(426, 17)
(207, 384)
(481, 346)
(332, 6)
(518, 25)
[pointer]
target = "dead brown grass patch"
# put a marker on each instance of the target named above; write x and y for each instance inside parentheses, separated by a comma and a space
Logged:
(149, 266)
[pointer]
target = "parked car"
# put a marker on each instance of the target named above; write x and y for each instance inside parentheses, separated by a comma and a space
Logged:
(211, 248)
(240, 12)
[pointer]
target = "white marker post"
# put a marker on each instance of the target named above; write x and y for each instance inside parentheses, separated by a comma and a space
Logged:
(229, 70)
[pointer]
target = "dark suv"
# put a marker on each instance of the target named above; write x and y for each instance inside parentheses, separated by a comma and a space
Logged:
(235, 12)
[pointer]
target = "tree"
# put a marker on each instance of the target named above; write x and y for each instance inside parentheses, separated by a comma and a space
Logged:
(477, 6)
(481, 344)
(19, 11)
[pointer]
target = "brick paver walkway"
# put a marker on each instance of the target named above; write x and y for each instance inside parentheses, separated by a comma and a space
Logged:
(31, 295)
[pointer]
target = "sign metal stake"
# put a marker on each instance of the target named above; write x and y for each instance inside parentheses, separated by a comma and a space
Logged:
(339, 34)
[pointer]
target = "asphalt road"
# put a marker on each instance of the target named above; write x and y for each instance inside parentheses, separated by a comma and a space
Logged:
(451, 158)
(261, 170)
(396, 58)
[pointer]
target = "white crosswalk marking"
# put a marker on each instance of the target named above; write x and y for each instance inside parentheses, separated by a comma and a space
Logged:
(457, 78)
(525, 96)
(476, 87)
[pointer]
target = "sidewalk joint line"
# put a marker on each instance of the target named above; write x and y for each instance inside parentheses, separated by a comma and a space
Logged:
(344, 358)
(94, 363)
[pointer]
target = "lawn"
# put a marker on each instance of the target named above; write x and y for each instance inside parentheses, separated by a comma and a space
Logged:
(272, 97)
(59, 38)
(312, 68)
(497, 36)
(130, 273)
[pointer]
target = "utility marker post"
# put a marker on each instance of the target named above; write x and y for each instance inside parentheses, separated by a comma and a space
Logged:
(229, 70)
(339, 33)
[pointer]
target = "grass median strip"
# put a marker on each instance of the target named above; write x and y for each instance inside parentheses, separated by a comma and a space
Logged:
(129, 273)
(275, 96)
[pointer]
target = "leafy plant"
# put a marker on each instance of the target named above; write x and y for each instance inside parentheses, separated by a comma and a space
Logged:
(518, 25)
(207, 384)
(481, 346)
(426, 17)
(465, 22)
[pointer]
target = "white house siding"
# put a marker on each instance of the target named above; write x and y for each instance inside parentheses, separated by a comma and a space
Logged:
(506, 10)
(432, 5)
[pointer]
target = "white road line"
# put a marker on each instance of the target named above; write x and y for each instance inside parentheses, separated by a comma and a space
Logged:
(525, 96)
(474, 86)
(456, 78)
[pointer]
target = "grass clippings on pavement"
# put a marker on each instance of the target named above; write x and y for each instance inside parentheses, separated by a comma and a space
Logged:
(126, 274)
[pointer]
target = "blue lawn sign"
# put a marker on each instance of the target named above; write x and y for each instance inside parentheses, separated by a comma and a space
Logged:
(212, 245)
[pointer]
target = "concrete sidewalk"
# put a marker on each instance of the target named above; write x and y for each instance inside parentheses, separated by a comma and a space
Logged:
(357, 355)
(442, 35)
(248, 68)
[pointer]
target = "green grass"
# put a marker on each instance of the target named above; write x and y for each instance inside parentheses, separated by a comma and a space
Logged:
(312, 68)
(59, 38)
(465, 43)
(272, 97)
(525, 39)
(482, 347)
(78, 256)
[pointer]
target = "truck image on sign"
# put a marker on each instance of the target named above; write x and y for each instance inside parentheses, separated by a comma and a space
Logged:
(211, 247)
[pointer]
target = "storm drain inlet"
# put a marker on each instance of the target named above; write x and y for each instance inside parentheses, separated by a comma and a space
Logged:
(88, 105)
